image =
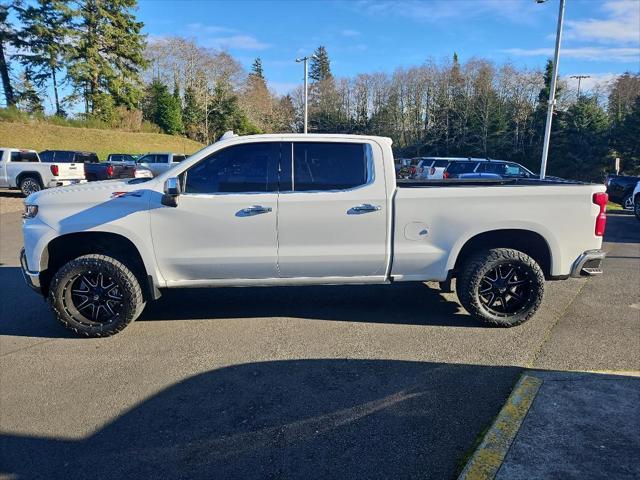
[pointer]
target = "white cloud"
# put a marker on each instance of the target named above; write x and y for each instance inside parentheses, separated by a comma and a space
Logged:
(347, 32)
(621, 25)
(622, 54)
(239, 42)
(594, 80)
(199, 28)
(438, 10)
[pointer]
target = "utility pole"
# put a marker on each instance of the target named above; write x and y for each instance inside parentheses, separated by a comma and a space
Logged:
(580, 77)
(305, 60)
(552, 91)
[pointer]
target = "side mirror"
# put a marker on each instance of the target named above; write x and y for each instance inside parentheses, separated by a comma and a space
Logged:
(172, 190)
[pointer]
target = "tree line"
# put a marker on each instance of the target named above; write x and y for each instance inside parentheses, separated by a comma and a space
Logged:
(90, 58)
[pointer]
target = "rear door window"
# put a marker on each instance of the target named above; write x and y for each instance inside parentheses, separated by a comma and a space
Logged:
(24, 157)
(179, 158)
(46, 156)
(330, 166)
(440, 163)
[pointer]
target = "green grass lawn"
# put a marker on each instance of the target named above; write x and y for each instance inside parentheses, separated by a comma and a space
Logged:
(42, 136)
(612, 207)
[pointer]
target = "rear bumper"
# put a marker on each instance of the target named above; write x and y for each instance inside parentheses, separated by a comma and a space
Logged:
(64, 183)
(32, 279)
(588, 264)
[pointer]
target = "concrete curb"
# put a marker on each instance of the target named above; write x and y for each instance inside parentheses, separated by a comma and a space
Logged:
(488, 457)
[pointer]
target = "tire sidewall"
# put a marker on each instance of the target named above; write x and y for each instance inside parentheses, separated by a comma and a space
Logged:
(27, 180)
(132, 303)
(483, 264)
(636, 208)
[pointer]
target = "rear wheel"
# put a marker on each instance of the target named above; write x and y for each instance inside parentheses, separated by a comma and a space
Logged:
(627, 202)
(29, 185)
(501, 287)
(96, 296)
(636, 207)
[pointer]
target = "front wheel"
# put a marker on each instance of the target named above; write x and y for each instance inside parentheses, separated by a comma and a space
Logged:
(95, 296)
(501, 287)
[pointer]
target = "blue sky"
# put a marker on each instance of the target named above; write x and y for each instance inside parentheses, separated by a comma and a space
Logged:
(601, 37)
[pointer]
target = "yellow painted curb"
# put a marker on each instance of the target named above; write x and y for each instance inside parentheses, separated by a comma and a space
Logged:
(488, 457)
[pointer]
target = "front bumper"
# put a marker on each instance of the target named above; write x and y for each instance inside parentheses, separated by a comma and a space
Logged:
(588, 264)
(31, 278)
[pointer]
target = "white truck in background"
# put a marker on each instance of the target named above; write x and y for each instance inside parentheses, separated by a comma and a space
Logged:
(21, 169)
(305, 209)
(158, 162)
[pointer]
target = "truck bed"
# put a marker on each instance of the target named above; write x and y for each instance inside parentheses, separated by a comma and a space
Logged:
(470, 182)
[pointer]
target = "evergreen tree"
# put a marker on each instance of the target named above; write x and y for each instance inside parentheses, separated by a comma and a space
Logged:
(225, 114)
(46, 28)
(29, 100)
(580, 148)
(256, 69)
(162, 108)
(108, 56)
(626, 137)
(320, 65)
(192, 114)
(7, 37)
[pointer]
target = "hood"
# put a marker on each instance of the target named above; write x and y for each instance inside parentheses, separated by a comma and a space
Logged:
(91, 192)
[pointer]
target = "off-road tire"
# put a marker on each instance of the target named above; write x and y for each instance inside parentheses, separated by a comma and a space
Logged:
(29, 185)
(131, 305)
(471, 277)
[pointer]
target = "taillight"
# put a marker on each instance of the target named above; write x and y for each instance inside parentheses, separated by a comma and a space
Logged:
(412, 170)
(601, 200)
(110, 171)
(54, 170)
(433, 171)
(445, 175)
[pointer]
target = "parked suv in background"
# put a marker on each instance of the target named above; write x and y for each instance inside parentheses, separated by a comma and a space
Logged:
(67, 156)
(485, 168)
(158, 163)
(620, 189)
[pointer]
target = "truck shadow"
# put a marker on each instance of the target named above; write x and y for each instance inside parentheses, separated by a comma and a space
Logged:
(306, 419)
(25, 314)
(401, 303)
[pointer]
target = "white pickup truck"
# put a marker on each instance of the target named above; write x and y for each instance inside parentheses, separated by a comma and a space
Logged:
(295, 209)
(22, 169)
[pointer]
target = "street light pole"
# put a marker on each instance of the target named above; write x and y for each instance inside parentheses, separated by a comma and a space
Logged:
(552, 92)
(580, 77)
(306, 90)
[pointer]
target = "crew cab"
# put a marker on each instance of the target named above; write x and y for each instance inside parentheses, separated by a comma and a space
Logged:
(304, 209)
(22, 169)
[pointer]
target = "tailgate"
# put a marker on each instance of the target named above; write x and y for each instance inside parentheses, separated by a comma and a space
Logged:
(70, 171)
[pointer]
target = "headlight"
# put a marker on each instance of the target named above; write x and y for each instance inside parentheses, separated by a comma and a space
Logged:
(30, 211)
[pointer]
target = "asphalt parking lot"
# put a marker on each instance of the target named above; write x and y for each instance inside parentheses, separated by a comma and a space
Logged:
(302, 382)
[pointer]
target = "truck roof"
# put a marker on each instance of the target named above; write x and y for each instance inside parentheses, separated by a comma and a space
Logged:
(308, 136)
(11, 149)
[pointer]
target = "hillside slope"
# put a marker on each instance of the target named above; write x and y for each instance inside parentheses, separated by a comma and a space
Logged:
(43, 136)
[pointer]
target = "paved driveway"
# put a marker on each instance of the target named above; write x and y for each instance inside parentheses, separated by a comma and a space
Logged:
(315, 382)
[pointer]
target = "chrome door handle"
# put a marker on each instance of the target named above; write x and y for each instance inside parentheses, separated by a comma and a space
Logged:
(364, 208)
(254, 210)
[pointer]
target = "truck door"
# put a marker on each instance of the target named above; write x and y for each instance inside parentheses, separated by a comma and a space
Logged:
(224, 226)
(332, 221)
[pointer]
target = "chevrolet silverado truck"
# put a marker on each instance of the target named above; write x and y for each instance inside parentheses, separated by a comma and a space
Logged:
(304, 209)
(22, 169)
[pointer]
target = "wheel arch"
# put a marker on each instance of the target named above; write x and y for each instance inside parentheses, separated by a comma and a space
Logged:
(29, 173)
(72, 245)
(527, 241)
